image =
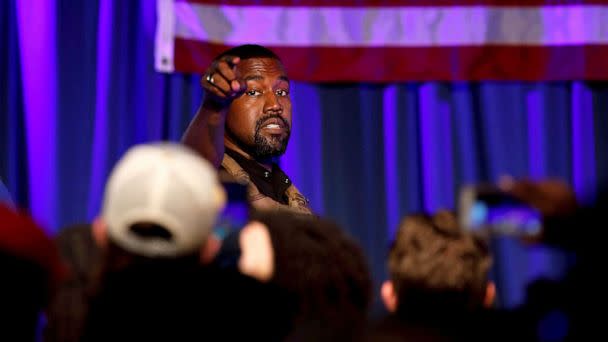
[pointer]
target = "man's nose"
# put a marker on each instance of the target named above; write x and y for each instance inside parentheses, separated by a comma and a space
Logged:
(272, 103)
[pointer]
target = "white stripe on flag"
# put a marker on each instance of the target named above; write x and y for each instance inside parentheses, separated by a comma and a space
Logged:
(392, 26)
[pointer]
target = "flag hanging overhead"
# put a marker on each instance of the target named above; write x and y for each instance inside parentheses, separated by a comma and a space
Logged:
(392, 40)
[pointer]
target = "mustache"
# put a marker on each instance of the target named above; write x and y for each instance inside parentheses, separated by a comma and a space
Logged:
(262, 120)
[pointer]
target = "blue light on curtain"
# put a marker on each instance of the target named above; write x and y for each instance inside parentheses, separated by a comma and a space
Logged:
(365, 155)
(12, 131)
(38, 73)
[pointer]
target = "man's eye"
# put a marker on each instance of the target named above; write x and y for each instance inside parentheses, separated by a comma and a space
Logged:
(253, 93)
(282, 92)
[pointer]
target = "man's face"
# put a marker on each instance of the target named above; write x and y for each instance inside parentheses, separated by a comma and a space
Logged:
(259, 121)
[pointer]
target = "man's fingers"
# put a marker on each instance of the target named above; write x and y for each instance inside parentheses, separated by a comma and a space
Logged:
(529, 192)
(227, 67)
(551, 197)
(212, 89)
(237, 85)
(524, 190)
(517, 188)
(229, 73)
(221, 81)
(506, 182)
(229, 89)
(231, 60)
(226, 72)
(215, 80)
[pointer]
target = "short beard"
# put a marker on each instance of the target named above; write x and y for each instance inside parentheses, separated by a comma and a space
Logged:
(269, 147)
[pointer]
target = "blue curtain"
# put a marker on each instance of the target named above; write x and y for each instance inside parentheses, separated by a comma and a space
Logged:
(78, 88)
(5, 196)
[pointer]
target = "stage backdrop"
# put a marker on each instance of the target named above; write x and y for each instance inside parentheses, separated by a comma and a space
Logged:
(78, 86)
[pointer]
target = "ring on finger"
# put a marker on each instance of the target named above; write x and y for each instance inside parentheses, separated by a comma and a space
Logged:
(210, 79)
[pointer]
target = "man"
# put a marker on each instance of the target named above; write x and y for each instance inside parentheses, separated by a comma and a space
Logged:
(439, 287)
(160, 204)
(143, 272)
(244, 124)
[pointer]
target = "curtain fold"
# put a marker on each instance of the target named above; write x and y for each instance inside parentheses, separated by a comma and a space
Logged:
(365, 155)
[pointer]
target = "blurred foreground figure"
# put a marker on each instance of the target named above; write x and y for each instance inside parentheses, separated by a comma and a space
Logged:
(439, 287)
(564, 310)
(160, 204)
(321, 272)
(149, 280)
(31, 272)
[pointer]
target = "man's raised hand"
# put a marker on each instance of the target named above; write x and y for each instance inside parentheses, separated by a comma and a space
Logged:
(221, 81)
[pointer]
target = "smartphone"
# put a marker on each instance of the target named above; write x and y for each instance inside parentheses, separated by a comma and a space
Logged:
(237, 211)
(486, 210)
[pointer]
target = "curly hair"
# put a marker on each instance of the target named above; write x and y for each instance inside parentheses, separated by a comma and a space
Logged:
(434, 264)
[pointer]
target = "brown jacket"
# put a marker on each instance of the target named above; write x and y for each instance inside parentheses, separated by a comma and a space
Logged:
(297, 202)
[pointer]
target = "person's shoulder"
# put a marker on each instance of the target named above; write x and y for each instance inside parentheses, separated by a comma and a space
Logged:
(498, 325)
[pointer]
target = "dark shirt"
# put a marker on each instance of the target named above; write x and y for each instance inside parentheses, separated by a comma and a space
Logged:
(272, 183)
(157, 302)
(485, 325)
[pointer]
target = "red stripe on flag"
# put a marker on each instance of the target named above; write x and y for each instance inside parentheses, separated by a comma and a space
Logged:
(386, 64)
(397, 3)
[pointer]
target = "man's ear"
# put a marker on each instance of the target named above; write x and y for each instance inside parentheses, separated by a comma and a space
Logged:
(100, 232)
(389, 297)
(490, 296)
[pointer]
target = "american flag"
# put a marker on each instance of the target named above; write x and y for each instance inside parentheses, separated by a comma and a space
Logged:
(393, 40)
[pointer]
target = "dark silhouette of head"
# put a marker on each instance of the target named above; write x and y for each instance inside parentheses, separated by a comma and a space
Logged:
(324, 270)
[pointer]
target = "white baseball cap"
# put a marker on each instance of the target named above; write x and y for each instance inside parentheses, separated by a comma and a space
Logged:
(166, 185)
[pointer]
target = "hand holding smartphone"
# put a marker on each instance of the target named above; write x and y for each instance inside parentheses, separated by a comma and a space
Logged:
(233, 218)
(486, 210)
(236, 213)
